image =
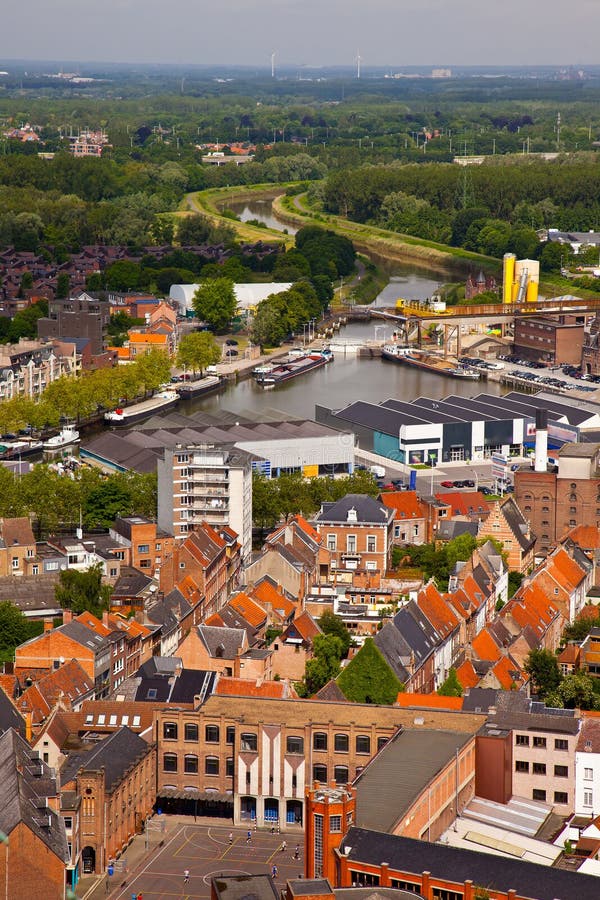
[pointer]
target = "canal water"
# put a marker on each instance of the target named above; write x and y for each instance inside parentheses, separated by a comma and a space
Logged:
(348, 378)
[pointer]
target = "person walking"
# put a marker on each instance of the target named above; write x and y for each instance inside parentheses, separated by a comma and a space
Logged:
(297, 852)
(274, 871)
(283, 846)
(231, 837)
(186, 876)
(249, 836)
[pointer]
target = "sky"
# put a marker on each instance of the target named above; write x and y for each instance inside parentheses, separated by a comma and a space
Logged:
(392, 33)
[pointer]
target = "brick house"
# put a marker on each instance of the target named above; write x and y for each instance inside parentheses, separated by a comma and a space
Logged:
(358, 533)
(69, 686)
(116, 782)
(256, 756)
(33, 859)
(140, 543)
(410, 516)
(17, 547)
(507, 524)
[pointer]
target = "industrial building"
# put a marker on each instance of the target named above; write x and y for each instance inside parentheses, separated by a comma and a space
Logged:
(459, 428)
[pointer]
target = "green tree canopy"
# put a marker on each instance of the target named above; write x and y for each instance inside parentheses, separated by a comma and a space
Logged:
(214, 302)
(14, 628)
(329, 623)
(324, 665)
(542, 668)
(451, 687)
(368, 678)
(574, 692)
(197, 351)
(83, 591)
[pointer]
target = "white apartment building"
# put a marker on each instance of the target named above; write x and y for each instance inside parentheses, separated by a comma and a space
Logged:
(203, 483)
(587, 769)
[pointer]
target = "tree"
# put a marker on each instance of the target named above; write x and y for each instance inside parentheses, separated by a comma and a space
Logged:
(197, 351)
(83, 591)
(214, 302)
(324, 665)
(574, 692)
(266, 510)
(63, 283)
(451, 687)
(329, 623)
(542, 668)
(14, 628)
(368, 678)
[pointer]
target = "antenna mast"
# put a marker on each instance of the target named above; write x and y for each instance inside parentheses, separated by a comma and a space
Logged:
(273, 63)
(358, 60)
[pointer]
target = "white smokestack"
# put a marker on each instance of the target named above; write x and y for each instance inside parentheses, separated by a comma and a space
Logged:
(541, 440)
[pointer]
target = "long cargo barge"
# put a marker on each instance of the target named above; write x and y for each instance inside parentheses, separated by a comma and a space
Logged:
(269, 376)
(129, 415)
(427, 362)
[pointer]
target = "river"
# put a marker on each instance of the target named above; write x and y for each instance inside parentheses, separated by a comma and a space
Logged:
(348, 378)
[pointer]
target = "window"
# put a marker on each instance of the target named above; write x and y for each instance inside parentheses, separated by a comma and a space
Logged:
(35, 570)
(561, 797)
(561, 744)
(539, 742)
(319, 741)
(371, 543)
(409, 886)
(229, 766)
(68, 822)
(332, 541)
(112, 572)
(341, 743)
(351, 543)
(295, 744)
(15, 562)
(190, 764)
(340, 773)
(381, 742)
(538, 794)
(143, 548)
(335, 824)
(320, 773)
(588, 798)
(588, 774)
(211, 765)
(363, 743)
(521, 765)
(190, 731)
(539, 768)
(211, 734)
(561, 771)
(170, 731)
(249, 742)
(170, 762)
(522, 740)
(230, 734)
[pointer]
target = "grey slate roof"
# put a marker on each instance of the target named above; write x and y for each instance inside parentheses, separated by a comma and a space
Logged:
(25, 785)
(452, 528)
(221, 642)
(416, 629)
(10, 716)
(394, 649)
(456, 864)
(517, 524)
(84, 636)
(115, 754)
(399, 773)
(131, 583)
(367, 510)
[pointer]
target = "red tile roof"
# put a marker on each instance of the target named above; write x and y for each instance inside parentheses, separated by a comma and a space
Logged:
(248, 608)
(246, 687)
(465, 503)
(467, 675)
(485, 647)
(431, 701)
(266, 593)
(406, 504)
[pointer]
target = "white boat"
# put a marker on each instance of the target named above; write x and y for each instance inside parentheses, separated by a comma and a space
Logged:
(129, 415)
(65, 437)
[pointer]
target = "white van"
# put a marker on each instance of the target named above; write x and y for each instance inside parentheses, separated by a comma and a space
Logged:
(377, 471)
(212, 370)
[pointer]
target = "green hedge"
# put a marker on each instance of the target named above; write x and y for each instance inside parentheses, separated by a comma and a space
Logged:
(368, 679)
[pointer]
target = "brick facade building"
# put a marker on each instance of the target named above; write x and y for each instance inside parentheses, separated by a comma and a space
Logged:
(555, 340)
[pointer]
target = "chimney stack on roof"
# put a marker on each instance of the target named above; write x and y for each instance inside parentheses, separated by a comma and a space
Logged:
(541, 440)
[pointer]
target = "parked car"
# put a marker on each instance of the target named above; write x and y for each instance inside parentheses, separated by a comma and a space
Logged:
(231, 342)
(469, 483)
(446, 484)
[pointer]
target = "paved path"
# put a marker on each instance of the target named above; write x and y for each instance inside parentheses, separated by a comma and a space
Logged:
(205, 850)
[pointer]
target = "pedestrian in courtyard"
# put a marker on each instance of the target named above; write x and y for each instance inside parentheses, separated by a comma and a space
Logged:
(283, 846)
(248, 837)
(274, 871)
(186, 876)
(297, 852)
(231, 837)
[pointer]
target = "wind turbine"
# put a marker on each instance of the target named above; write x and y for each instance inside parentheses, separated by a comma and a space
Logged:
(273, 63)
(358, 61)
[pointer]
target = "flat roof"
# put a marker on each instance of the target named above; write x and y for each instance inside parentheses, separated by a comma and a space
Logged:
(394, 779)
(244, 887)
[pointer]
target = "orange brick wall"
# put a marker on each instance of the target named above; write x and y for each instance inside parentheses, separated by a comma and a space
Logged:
(33, 870)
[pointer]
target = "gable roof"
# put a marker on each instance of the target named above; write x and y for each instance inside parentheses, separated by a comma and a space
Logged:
(250, 609)
(467, 675)
(24, 794)
(517, 523)
(16, 532)
(222, 643)
(406, 504)
(485, 646)
(465, 503)
(266, 592)
(115, 754)
(304, 626)
(9, 715)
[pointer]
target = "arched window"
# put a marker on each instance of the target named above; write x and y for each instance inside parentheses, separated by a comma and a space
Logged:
(211, 765)
(169, 762)
(170, 731)
(341, 743)
(190, 764)
(211, 734)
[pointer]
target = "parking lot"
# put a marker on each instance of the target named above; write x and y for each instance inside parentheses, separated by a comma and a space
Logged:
(206, 851)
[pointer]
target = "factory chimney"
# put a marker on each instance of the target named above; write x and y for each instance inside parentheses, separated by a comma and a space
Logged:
(541, 440)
